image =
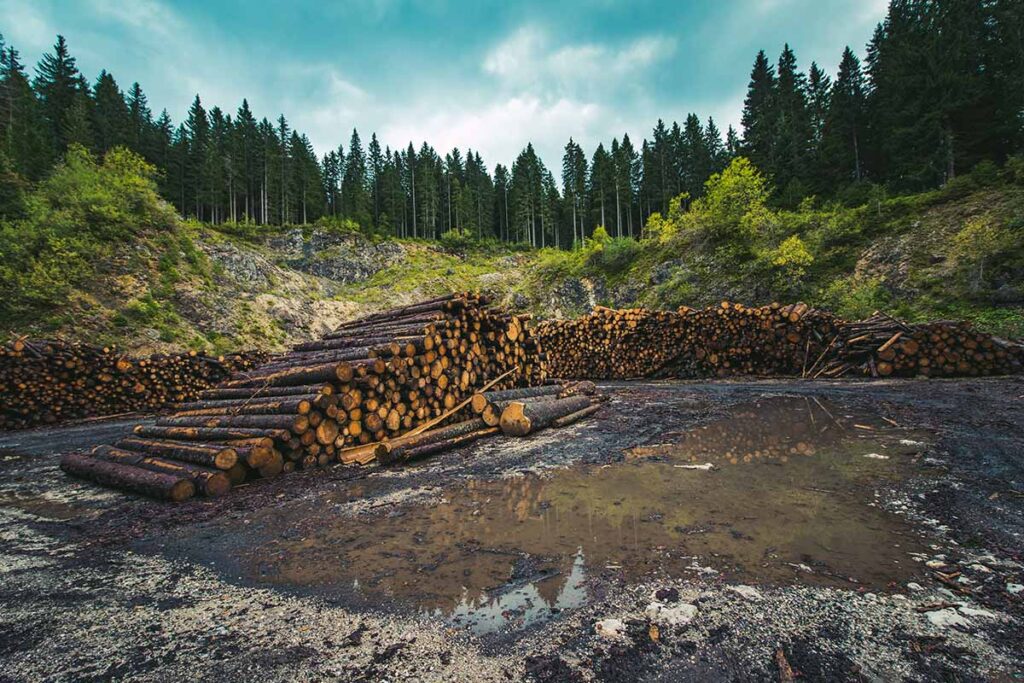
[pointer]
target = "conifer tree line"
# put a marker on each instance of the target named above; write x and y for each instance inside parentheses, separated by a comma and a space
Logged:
(941, 88)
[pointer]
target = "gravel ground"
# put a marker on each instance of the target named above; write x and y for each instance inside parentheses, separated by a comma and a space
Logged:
(98, 586)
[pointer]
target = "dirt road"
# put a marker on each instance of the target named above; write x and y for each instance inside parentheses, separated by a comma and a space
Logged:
(734, 530)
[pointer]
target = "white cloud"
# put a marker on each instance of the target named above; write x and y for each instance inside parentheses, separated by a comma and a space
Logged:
(500, 130)
(529, 59)
(26, 25)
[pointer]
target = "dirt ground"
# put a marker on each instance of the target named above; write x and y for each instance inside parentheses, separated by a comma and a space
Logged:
(769, 530)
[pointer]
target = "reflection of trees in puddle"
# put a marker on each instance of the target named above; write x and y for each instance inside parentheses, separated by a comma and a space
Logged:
(510, 550)
(521, 606)
(775, 429)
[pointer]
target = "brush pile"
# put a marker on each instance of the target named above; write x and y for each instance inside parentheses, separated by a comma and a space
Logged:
(796, 340)
(371, 390)
(46, 381)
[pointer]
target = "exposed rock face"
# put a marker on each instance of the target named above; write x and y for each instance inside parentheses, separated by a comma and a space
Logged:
(576, 295)
(344, 258)
(246, 267)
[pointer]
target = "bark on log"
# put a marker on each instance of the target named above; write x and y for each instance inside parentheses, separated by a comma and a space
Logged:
(209, 482)
(128, 477)
(520, 418)
(209, 455)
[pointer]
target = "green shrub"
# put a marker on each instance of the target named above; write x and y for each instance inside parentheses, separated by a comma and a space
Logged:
(614, 256)
(855, 298)
(73, 221)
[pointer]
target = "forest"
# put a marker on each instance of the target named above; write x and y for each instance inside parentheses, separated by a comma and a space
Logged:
(939, 89)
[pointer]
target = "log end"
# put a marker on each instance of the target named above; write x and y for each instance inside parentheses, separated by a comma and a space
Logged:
(514, 421)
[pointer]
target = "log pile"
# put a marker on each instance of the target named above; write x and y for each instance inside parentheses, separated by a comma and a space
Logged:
(47, 381)
(380, 388)
(796, 340)
(882, 346)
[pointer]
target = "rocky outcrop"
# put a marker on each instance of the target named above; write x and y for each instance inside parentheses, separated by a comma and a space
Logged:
(342, 257)
(246, 267)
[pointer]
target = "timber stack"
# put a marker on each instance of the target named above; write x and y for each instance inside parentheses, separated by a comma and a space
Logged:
(774, 340)
(47, 381)
(386, 388)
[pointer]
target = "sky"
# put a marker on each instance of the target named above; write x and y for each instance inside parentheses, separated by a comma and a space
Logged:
(477, 74)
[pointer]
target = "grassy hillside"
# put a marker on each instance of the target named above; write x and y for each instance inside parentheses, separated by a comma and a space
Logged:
(93, 254)
(953, 253)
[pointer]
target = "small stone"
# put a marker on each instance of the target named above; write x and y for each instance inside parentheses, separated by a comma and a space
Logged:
(915, 586)
(975, 612)
(612, 629)
(748, 592)
(945, 618)
(1014, 588)
(676, 615)
(666, 595)
(876, 456)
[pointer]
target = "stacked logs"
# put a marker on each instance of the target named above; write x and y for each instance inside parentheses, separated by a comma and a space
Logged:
(372, 390)
(774, 340)
(882, 346)
(46, 381)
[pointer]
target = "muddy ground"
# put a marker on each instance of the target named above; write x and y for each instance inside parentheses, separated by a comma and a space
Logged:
(771, 530)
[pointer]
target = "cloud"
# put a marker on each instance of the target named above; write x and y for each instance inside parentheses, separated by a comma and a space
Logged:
(27, 26)
(529, 59)
(499, 130)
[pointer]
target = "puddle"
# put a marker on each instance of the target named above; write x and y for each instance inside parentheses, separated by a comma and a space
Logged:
(787, 499)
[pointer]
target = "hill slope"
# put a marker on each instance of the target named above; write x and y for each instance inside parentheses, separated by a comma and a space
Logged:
(957, 253)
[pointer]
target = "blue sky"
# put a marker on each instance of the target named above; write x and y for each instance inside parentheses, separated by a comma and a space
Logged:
(478, 74)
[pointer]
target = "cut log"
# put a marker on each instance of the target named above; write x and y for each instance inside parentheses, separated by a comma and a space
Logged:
(520, 419)
(128, 477)
(209, 482)
(200, 454)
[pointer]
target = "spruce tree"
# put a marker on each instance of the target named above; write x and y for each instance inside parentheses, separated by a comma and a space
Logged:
(760, 115)
(58, 84)
(355, 200)
(140, 128)
(24, 134)
(111, 119)
(792, 131)
(376, 170)
(841, 147)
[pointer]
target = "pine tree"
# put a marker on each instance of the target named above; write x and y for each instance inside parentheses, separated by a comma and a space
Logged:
(111, 119)
(819, 92)
(284, 170)
(697, 155)
(246, 152)
(717, 152)
(627, 170)
(760, 115)
(355, 199)
(376, 170)
(792, 130)
(197, 129)
(841, 156)
(600, 185)
(733, 145)
(501, 208)
(574, 186)
(140, 127)
(59, 84)
(76, 128)
(24, 134)
(162, 153)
